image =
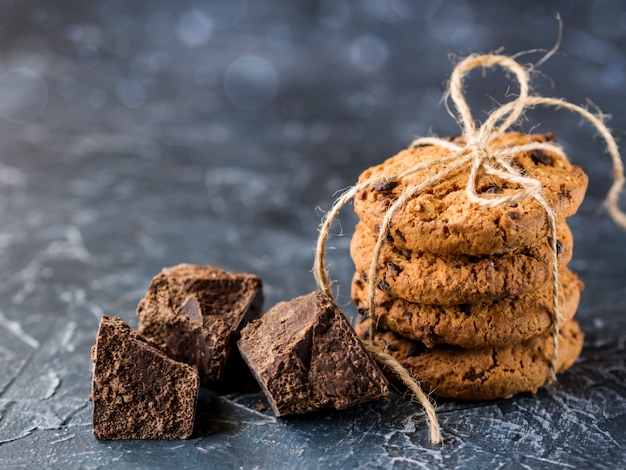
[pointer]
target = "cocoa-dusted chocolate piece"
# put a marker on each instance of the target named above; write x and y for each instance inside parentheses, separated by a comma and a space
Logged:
(306, 356)
(196, 313)
(137, 391)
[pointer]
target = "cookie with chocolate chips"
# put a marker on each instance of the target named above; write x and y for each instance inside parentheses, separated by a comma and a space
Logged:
(502, 322)
(441, 220)
(427, 278)
(485, 373)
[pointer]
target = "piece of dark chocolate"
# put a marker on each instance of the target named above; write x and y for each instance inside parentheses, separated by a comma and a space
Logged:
(137, 391)
(196, 313)
(306, 356)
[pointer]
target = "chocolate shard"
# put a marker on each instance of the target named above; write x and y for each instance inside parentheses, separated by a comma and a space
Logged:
(191, 310)
(137, 391)
(306, 356)
(196, 312)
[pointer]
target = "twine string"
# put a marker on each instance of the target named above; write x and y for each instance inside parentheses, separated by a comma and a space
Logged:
(464, 114)
(387, 360)
(477, 153)
(407, 194)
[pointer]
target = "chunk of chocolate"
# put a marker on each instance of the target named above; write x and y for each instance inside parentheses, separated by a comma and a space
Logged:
(137, 391)
(196, 312)
(386, 187)
(539, 156)
(306, 356)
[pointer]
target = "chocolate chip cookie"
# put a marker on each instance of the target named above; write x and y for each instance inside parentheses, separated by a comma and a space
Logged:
(457, 279)
(441, 220)
(502, 322)
(486, 373)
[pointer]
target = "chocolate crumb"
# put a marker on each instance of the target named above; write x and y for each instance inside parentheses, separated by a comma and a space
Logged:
(513, 215)
(386, 187)
(400, 235)
(404, 252)
(389, 237)
(473, 376)
(394, 266)
(492, 189)
(539, 156)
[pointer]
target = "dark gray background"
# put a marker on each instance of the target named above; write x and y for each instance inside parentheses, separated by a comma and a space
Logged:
(137, 135)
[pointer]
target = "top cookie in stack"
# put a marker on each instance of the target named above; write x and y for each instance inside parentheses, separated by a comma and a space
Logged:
(442, 221)
(465, 291)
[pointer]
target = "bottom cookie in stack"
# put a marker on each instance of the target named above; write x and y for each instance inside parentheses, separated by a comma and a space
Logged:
(484, 373)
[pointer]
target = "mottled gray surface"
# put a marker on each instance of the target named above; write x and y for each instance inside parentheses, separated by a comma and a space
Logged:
(137, 135)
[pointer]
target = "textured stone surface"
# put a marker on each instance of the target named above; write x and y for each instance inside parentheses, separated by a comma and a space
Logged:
(95, 200)
(307, 356)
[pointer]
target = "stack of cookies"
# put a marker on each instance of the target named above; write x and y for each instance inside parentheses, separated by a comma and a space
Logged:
(464, 293)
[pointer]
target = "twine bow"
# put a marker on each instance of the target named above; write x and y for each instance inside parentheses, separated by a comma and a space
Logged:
(478, 153)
